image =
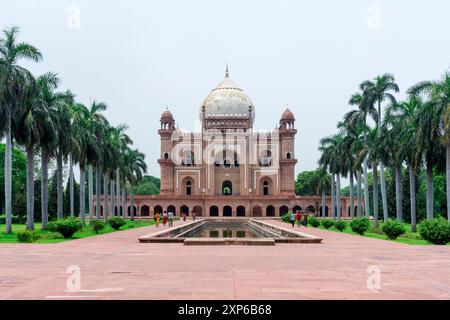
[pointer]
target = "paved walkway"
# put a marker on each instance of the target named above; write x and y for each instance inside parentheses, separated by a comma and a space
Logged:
(116, 266)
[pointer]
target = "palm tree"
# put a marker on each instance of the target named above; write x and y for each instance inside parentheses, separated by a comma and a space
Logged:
(65, 140)
(330, 149)
(47, 98)
(407, 114)
(438, 93)
(12, 74)
(322, 183)
(358, 119)
(135, 169)
(378, 91)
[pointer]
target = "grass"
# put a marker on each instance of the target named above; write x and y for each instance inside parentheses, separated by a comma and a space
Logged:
(52, 237)
(409, 237)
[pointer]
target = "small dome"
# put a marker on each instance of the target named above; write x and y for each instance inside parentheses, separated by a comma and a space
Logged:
(227, 100)
(287, 115)
(167, 115)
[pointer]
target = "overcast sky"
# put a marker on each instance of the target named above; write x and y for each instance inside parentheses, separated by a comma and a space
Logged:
(141, 56)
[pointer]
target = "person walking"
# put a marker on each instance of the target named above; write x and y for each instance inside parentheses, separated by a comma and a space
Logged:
(293, 219)
(157, 219)
(299, 218)
(193, 216)
(170, 217)
(305, 221)
(164, 218)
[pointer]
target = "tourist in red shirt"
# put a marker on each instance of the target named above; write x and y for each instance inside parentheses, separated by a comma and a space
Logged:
(299, 218)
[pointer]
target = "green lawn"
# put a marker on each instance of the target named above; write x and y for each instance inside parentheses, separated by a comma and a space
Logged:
(52, 237)
(409, 237)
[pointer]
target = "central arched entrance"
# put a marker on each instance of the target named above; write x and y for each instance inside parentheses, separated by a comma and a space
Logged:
(185, 210)
(240, 212)
(227, 211)
(270, 211)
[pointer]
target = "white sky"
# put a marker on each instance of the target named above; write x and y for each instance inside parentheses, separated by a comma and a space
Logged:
(141, 56)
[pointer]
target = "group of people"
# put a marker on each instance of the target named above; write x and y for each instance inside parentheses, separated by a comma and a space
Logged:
(297, 216)
(168, 218)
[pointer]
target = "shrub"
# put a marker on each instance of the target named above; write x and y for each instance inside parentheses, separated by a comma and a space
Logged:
(66, 227)
(286, 217)
(340, 225)
(97, 225)
(393, 228)
(435, 231)
(360, 225)
(27, 236)
(314, 222)
(327, 223)
(117, 222)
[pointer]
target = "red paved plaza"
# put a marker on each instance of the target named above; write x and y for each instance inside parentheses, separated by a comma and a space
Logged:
(117, 266)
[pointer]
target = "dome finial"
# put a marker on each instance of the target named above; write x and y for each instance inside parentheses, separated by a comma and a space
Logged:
(227, 73)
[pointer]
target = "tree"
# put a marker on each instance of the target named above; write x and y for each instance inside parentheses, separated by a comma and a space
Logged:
(378, 91)
(322, 183)
(134, 171)
(12, 74)
(438, 93)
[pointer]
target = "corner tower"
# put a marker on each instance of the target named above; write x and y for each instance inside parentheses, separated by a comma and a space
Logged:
(288, 161)
(165, 161)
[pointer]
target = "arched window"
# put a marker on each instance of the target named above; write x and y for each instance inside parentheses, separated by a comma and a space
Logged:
(288, 155)
(188, 158)
(266, 188)
(265, 158)
(227, 188)
(166, 156)
(188, 188)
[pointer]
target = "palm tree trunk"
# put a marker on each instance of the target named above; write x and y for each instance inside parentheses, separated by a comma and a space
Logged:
(398, 193)
(132, 203)
(91, 193)
(375, 195)
(8, 172)
(30, 188)
(352, 197)
(430, 200)
(323, 203)
(359, 192)
(383, 192)
(59, 185)
(333, 204)
(124, 202)
(448, 180)
(105, 198)
(72, 193)
(338, 195)
(98, 178)
(82, 194)
(366, 189)
(118, 190)
(113, 198)
(412, 192)
(44, 188)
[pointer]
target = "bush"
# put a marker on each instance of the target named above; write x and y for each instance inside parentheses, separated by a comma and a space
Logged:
(393, 228)
(286, 217)
(360, 225)
(340, 225)
(435, 231)
(66, 227)
(27, 236)
(313, 222)
(97, 225)
(117, 222)
(327, 223)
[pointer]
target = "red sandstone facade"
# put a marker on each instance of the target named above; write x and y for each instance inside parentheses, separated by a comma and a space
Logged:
(228, 169)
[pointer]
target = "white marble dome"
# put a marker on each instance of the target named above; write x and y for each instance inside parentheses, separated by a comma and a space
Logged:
(227, 100)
